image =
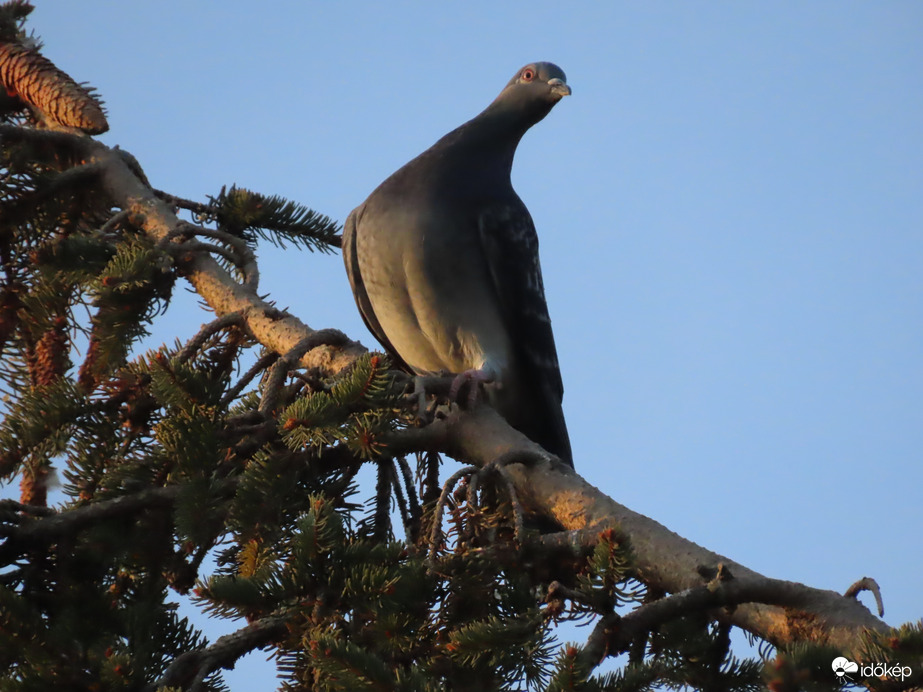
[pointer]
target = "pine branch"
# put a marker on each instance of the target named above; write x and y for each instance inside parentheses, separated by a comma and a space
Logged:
(663, 559)
(189, 670)
(22, 533)
(28, 533)
(70, 179)
(250, 214)
(274, 328)
(614, 634)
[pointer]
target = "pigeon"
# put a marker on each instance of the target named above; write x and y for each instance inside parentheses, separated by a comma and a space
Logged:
(443, 263)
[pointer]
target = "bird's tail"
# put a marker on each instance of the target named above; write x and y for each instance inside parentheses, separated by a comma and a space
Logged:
(542, 421)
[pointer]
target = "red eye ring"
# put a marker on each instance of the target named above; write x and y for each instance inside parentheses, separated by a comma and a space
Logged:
(528, 74)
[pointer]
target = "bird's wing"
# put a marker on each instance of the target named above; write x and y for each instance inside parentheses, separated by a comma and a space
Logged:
(351, 258)
(510, 245)
(511, 249)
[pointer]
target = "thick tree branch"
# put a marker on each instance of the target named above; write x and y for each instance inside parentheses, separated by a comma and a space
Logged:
(664, 559)
(274, 328)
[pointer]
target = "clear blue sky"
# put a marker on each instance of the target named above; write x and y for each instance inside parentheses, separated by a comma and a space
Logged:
(730, 209)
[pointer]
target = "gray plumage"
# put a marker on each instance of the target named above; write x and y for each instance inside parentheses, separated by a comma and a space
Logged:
(443, 262)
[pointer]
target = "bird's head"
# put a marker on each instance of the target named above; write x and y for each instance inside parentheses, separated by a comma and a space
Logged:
(534, 90)
(541, 81)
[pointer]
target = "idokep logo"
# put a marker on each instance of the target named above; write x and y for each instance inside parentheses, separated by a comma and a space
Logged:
(843, 668)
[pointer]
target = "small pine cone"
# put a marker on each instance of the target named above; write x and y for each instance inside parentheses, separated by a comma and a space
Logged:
(50, 361)
(33, 487)
(34, 79)
(90, 371)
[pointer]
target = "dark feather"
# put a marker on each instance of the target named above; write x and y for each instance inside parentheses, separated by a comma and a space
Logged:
(510, 246)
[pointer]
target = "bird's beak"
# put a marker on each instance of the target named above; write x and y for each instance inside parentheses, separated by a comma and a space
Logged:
(558, 87)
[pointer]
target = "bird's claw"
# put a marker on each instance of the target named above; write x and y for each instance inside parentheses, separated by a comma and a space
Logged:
(473, 378)
(418, 395)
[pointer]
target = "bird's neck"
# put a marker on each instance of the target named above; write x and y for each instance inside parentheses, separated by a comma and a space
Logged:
(490, 139)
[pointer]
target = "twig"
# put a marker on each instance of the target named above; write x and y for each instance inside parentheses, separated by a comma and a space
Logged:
(189, 670)
(50, 138)
(471, 505)
(716, 594)
(66, 180)
(499, 465)
(107, 228)
(261, 364)
(514, 501)
(398, 494)
(245, 261)
(207, 330)
(440, 507)
(663, 559)
(182, 203)
(53, 526)
(12, 506)
(614, 634)
(414, 511)
(557, 591)
(599, 644)
(280, 369)
(198, 246)
(867, 584)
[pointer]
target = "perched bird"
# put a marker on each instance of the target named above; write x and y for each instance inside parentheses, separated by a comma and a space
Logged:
(443, 262)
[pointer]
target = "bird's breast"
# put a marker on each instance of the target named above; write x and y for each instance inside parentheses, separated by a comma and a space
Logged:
(432, 292)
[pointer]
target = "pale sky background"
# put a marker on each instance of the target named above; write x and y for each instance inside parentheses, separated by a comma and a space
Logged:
(730, 210)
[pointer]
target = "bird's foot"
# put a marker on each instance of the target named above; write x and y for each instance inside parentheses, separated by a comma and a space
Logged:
(473, 378)
(425, 411)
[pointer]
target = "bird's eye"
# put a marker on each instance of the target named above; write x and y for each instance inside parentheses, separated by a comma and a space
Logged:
(528, 74)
